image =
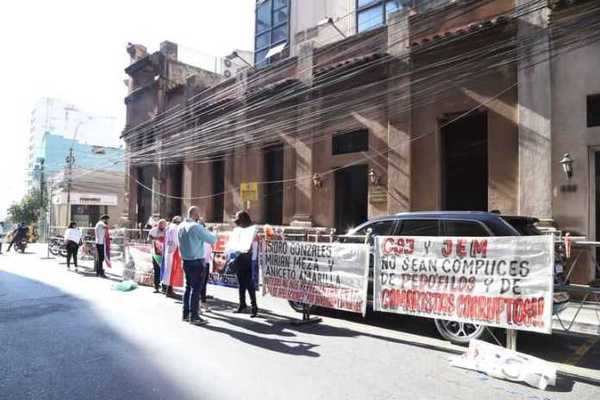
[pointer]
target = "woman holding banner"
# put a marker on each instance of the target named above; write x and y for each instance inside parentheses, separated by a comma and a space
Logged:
(240, 249)
(157, 236)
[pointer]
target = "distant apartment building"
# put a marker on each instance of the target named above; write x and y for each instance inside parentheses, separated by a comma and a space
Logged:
(54, 149)
(57, 117)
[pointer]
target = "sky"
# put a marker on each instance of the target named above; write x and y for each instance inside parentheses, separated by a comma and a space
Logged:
(75, 51)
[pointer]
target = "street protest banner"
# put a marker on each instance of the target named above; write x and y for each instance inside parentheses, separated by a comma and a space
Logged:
(139, 263)
(332, 275)
(218, 268)
(139, 266)
(505, 282)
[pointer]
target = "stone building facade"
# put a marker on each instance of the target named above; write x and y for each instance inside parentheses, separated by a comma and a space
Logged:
(465, 105)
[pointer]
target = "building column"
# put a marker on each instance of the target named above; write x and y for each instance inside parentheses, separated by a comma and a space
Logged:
(131, 189)
(304, 184)
(189, 188)
(232, 185)
(534, 113)
(289, 186)
(399, 116)
(303, 201)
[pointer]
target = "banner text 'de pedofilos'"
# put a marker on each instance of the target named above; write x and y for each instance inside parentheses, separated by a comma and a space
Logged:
(498, 281)
(331, 275)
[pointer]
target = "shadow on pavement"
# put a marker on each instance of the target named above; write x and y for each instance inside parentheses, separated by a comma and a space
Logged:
(55, 347)
(554, 348)
(86, 273)
(290, 347)
(277, 324)
(253, 325)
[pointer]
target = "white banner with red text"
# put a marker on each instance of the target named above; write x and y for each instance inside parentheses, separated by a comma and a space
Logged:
(331, 275)
(504, 282)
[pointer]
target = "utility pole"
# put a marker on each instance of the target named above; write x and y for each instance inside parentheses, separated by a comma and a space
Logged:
(70, 160)
(49, 222)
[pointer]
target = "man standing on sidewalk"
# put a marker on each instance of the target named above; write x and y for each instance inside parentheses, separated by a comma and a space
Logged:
(191, 236)
(101, 230)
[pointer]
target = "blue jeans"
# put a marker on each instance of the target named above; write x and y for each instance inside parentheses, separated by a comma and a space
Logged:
(194, 271)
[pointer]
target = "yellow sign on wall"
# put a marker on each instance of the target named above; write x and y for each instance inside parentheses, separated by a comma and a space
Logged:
(249, 191)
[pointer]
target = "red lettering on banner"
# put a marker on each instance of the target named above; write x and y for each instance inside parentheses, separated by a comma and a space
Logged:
(479, 248)
(447, 249)
(398, 246)
(461, 248)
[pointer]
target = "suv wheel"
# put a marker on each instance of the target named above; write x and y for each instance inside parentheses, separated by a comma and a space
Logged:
(297, 306)
(459, 332)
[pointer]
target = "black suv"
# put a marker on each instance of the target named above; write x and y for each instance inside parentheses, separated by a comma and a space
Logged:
(448, 223)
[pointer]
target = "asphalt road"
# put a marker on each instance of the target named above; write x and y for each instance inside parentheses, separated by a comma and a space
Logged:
(69, 336)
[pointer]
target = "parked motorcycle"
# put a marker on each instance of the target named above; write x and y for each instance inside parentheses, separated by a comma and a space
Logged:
(21, 245)
(57, 247)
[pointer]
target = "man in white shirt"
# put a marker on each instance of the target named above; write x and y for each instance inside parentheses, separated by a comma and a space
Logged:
(100, 231)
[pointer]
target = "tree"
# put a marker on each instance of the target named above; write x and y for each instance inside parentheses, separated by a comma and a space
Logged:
(29, 208)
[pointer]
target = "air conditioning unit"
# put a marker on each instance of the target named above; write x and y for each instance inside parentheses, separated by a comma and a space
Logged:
(229, 68)
(236, 62)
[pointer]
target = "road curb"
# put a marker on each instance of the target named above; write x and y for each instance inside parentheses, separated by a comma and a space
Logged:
(578, 373)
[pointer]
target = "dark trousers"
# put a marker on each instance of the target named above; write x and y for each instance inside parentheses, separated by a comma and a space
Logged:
(194, 270)
(99, 259)
(156, 268)
(72, 249)
(244, 276)
(1, 239)
(205, 274)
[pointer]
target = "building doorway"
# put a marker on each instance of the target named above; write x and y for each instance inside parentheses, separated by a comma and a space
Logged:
(465, 164)
(175, 191)
(273, 195)
(218, 189)
(351, 197)
(144, 204)
(596, 198)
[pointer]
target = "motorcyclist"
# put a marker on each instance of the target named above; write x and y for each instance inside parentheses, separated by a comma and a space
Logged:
(18, 235)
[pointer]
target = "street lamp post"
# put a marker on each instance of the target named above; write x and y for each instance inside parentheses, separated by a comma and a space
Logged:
(49, 223)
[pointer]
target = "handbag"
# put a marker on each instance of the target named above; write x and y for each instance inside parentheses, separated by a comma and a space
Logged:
(237, 262)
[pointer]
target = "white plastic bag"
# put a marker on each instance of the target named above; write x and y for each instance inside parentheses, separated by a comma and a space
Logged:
(502, 363)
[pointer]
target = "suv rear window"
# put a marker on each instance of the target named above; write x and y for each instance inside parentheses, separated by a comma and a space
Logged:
(419, 227)
(524, 226)
(379, 228)
(464, 228)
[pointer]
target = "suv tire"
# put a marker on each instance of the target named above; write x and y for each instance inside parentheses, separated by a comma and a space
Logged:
(298, 307)
(460, 332)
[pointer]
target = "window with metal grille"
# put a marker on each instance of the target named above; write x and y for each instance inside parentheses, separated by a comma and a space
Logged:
(350, 142)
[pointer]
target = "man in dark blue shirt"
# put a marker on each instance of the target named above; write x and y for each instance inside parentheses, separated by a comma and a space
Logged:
(18, 235)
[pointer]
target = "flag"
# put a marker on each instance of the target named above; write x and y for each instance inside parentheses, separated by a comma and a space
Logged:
(176, 278)
(107, 248)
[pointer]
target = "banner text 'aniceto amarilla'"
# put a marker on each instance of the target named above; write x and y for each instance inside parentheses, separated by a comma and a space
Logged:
(331, 275)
